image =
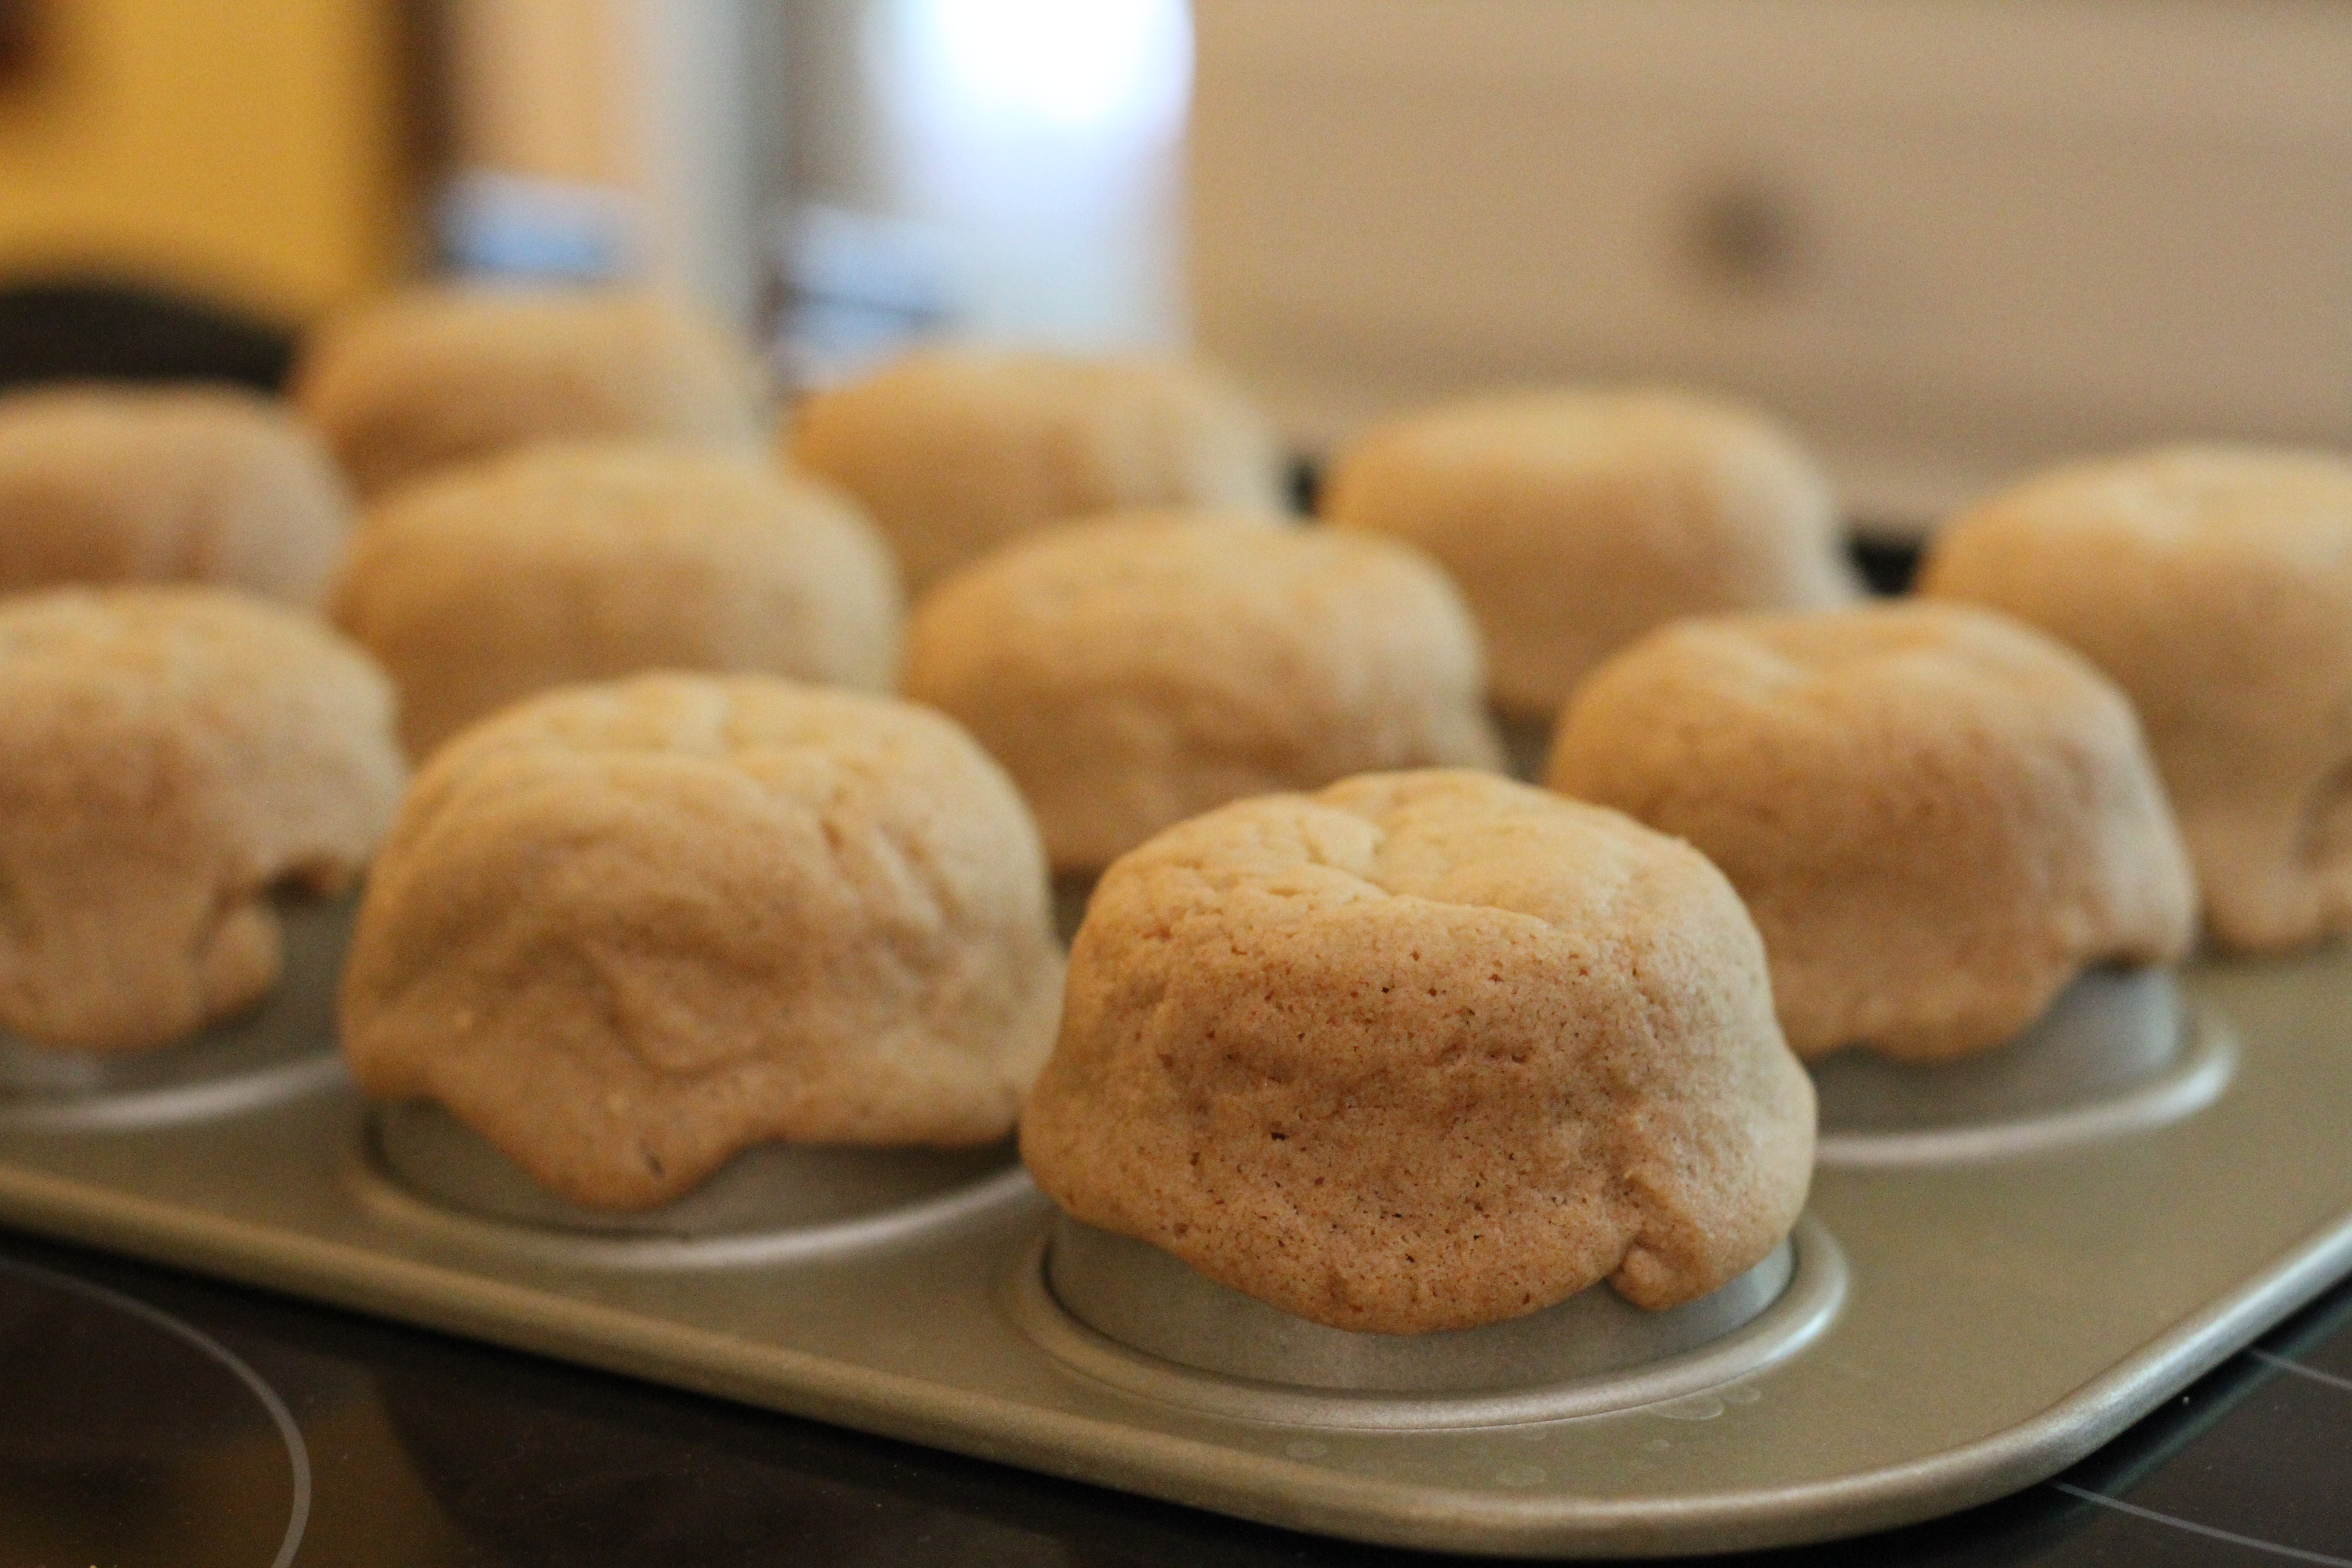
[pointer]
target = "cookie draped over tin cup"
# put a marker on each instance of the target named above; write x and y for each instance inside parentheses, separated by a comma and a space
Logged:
(422, 379)
(1576, 520)
(2214, 585)
(955, 452)
(1423, 1051)
(180, 484)
(625, 930)
(1936, 816)
(579, 561)
(167, 756)
(1137, 669)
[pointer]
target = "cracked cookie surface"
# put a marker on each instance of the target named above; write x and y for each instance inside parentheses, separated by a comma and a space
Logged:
(2214, 585)
(956, 452)
(580, 561)
(165, 484)
(1575, 521)
(427, 377)
(167, 756)
(1137, 669)
(625, 930)
(1937, 815)
(1423, 1051)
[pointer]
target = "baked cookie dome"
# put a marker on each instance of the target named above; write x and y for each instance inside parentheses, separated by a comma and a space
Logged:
(955, 452)
(182, 484)
(1138, 669)
(167, 756)
(2214, 585)
(625, 931)
(420, 380)
(1936, 816)
(1574, 522)
(1425, 1051)
(578, 561)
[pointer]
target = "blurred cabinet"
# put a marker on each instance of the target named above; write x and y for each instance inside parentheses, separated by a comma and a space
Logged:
(257, 150)
(1948, 238)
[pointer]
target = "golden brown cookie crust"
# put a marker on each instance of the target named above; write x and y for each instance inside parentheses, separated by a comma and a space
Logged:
(1936, 816)
(189, 485)
(2214, 585)
(1138, 669)
(423, 379)
(573, 562)
(625, 931)
(957, 451)
(168, 754)
(1424, 1051)
(1576, 520)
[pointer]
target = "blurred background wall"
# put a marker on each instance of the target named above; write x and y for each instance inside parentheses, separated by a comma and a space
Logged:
(1947, 238)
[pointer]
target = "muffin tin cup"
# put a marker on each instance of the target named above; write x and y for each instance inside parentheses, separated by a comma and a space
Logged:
(2117, 1052)
(423, 1169)
(278, 1049)
(1125, 1313)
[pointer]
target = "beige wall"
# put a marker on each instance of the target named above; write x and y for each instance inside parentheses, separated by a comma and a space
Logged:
(1993, 233)
(252, 147)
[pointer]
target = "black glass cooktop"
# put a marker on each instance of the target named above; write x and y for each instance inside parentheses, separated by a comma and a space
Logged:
(147, 1418)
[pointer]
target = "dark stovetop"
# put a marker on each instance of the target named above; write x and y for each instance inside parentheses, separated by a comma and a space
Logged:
(144, 1419)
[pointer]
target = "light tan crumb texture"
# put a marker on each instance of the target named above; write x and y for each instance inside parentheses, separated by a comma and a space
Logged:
(1424, 1051)
(576, 562)
(625, 931)
(1937, 815)
(421, 380)
(2214, 585)
(1576, 520)
(955, 452)
(187, 485)
(1139, 669)
(167, 755)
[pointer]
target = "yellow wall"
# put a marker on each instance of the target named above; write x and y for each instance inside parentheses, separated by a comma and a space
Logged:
(249, 147)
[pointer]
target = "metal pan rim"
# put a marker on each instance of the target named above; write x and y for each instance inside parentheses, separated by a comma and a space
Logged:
(2194, 1080)
(1816, 1290)
(379, 1191)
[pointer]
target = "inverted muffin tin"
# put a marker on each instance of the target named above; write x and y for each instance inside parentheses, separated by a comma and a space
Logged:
(1995, 1274)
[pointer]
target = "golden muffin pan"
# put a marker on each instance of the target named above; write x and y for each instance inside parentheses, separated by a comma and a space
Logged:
(1997, 1273)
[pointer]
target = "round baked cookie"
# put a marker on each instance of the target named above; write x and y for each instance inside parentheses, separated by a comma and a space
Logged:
(168, 756)
(1576, 520)
(625, 931)
(1136, 670)
(423, 379)
(182, 484)
(1426, 1050)
(956, 451)
(578, 562)
(1936, 816)
(2214, 585)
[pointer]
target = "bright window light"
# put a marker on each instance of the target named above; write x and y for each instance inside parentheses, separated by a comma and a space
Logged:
(1069, 67)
